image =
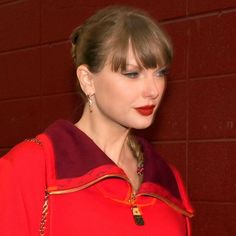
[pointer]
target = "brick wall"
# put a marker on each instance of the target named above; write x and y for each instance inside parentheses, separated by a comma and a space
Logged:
(196, 125)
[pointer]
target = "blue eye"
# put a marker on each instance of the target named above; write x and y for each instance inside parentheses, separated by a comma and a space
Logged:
(131, 75)
(162, 72)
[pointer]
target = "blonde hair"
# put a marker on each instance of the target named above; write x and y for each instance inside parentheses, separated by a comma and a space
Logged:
(106, 36)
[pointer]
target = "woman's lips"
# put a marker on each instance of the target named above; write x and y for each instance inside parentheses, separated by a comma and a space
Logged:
(145, 110)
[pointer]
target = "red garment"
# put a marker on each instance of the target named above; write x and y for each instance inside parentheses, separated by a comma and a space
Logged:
(88, 193)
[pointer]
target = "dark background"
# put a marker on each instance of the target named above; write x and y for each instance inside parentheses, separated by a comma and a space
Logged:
(196, 126)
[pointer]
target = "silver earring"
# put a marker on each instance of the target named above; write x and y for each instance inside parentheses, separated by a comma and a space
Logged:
(90, 102)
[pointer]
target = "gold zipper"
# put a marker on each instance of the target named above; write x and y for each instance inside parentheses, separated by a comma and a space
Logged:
(72, 190)
(138, 218)
(169, 203)
(134, 208)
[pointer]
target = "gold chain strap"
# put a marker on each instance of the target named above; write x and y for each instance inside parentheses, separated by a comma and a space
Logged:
(45, 205)
(44, 215)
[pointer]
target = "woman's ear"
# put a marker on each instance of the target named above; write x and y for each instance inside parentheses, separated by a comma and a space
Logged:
(85, 79)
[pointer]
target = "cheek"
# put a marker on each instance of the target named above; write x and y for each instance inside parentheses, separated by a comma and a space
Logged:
(162, 87)
(113, 90)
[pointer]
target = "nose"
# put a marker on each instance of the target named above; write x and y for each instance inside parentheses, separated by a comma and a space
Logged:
(152, 87)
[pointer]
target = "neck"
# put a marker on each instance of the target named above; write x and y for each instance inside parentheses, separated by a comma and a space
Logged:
(109, 136)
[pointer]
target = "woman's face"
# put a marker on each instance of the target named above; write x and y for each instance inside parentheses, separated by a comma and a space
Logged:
(128, 98)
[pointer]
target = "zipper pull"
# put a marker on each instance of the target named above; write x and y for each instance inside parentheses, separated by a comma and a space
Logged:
(138, 218)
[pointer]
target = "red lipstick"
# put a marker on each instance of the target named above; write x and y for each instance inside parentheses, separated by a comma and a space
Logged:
(145, 110)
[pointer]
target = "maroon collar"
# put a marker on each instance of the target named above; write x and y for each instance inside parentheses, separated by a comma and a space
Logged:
(76, 155)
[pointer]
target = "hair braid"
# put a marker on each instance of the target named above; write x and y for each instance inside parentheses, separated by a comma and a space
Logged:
(136, 149)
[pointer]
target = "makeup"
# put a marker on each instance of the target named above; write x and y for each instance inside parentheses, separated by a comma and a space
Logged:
(145, 110)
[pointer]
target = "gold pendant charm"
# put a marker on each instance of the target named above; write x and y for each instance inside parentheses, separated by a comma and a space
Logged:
(138, 218)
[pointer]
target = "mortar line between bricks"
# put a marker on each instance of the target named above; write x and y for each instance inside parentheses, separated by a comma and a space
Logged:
(169, 142)
(210, 202)
(220, 140)
(187, 7)
(190, 141)
(10, 2)
(218, 76)
(40, 61)
(176, 81)
(36, 46)
(37, 96)
(197, 16)
(187, 108)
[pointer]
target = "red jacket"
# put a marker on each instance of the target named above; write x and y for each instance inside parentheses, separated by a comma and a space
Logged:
(87, 193)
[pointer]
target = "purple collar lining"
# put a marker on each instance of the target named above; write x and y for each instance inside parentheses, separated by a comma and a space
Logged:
(76, 154)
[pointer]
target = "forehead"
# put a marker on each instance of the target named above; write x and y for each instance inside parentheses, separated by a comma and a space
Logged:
(131, 58)
(145, 52)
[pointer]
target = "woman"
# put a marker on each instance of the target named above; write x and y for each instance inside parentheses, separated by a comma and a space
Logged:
(94, 177)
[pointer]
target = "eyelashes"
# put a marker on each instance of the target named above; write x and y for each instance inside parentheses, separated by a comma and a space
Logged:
(163, 72)
(131, 75)
(135, 74)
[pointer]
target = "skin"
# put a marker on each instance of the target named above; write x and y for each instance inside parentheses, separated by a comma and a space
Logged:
(115, 97)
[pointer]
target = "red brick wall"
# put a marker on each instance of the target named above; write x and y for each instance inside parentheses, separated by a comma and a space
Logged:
(196, 125)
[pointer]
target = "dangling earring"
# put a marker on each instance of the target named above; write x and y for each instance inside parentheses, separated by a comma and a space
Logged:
(90, 102)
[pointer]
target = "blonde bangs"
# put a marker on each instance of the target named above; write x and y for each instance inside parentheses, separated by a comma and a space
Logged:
(151, 46)
(105, 39)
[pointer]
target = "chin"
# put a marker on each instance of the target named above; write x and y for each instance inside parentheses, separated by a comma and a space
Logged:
(138, 123)
(142, 125)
